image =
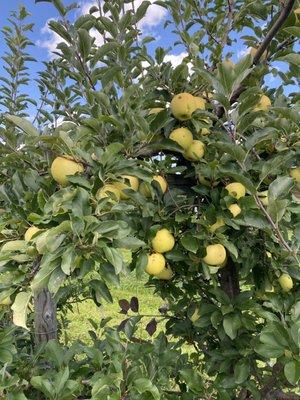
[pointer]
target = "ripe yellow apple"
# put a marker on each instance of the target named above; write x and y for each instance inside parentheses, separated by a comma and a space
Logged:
(162, 182)
(286, 282)
(228, 63)
(218, 224)
(133, 184)
(235, 209)
(30, 232)
(163, 241)
(155, 110)
(195, 151)
(196, 315)
(14, 245)
(215, 255)
(6, 301)
(253, 51)
(182, 106)
(199, 103)
(64, 166)
(295, 173)
(109, 190)
(144, 188)
(166, 274)
(156, 264)
(182, 136)
(263, 197)
(263, 104)
(236, 190)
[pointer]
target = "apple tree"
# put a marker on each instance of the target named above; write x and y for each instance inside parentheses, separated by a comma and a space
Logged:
(187, 173)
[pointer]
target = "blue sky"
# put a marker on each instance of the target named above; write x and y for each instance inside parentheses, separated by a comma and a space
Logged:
(45, 41)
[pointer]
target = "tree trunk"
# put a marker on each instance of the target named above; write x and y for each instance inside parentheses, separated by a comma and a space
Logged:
(44, 317)
(229, 280)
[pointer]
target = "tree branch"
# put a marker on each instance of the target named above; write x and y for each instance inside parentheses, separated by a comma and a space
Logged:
(273, 225)
(287, 8)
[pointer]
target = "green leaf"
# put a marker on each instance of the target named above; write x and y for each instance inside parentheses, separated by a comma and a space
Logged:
(241, 371)
(281, 186)
(291, 58)
(60, 30)
(293, 30)
(231, 325)
(230, 247)
(190, 243)
(41, 279)
(112, 255)
(277, 208)
(101, 290)
(141, 263)
(20, 308)
(142, 9)
(236, 151)
(144, 385)
(292, 371)
(68, 260)
(129, 242)
(259, 136)
(23, 124)
(85, 43)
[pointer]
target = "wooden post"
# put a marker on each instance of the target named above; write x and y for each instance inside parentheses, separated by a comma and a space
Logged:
(44, 317)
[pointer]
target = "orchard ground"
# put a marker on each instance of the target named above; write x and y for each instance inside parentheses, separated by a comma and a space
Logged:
(79, 324)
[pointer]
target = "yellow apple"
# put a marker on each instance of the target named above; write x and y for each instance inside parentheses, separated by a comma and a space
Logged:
(64, 166)
(263, 197)
(144, 188)
(163, 241)
(155, 264)
(215, 255)
(133, 184)
(236, 190)
(286, 282)
(253, 52)
(182, 106)
(218, 224)
(295, 173)
(30, 232)
(264, 103)
(195, 151)
(228, 63)
(235, 209)
(6, 301)
(166, 274)
(109, 190)
(162, 182)
(199, 103)
(182, 136)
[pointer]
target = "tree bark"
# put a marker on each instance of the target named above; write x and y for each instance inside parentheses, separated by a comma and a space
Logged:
(44, 317)
(229, 280)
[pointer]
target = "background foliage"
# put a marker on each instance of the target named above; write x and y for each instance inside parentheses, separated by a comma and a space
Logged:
(94, 106)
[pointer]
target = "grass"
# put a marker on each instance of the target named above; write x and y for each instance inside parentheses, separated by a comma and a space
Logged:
(79, 324)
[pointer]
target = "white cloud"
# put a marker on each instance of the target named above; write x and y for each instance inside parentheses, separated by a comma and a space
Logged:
(53, 40)
(241, 53)
(175, 59)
